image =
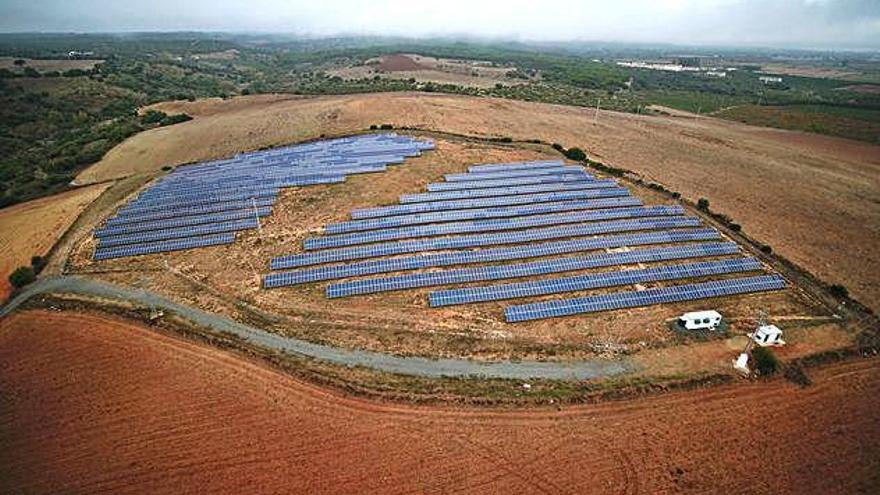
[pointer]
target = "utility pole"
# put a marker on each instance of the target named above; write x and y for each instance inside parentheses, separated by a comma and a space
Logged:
(257, 216)
(596, 115)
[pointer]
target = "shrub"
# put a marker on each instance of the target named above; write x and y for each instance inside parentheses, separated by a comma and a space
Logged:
(174, 119)
(676, 194)
(575, 154)
(153, 117)
(766, 363)
(735, 227)
(38, 263)
(167, 168)
(386, 127)
(31, 72)
(19, 62)
(795, 373)
(22, 276)
(703, 204)
(374, 127)
(839, 291)
(766, 249)
(558, 147)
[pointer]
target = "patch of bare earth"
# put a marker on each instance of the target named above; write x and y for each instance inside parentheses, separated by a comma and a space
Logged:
(92, 404)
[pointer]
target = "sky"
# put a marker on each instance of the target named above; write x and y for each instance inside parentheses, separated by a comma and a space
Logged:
(826, 24)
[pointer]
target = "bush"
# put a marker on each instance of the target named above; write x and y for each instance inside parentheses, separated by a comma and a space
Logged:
(386, 127)
(795, 373)
(558, 147)
(153, 117)
(38, 263)
(766, 363)
(839, 291)
(374, 127)
(174, 119)
(22, 276)
(703, 204)
(167, 168)
(676, 195)
(575, 154)
(766, 249)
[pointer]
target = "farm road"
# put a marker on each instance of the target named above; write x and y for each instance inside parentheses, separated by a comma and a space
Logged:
(417, 366)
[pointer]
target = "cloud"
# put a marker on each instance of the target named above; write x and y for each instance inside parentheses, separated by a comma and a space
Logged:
(805, 23)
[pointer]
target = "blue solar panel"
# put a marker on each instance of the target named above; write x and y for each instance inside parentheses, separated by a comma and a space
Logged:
(421, 261)
(142, 216)
(465, 275)
(592, 281)
(518, 181)
(507, 191)
(182, 221)
(490, 225)
(477, 214)
(498, 167)
(513, 174)
(523, 199)
(135, 208)
(605, 302)
(479, 240)
(173, 233)
(163, 246)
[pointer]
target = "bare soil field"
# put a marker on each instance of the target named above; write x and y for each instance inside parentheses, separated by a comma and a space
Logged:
(31, 228)
(93, 404)
(402, 322)
(472, 73)
(871, 89)
(814, 199)
(811, 71)
(42, 65)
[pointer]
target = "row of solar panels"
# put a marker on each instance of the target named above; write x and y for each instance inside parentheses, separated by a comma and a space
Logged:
(514, 203)
(204, 204)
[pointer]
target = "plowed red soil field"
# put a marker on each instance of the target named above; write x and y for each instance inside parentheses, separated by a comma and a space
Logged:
(92, 404)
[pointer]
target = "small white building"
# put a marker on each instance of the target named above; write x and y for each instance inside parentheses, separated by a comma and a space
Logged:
(700, 320)
(767, 335)
(770, 79)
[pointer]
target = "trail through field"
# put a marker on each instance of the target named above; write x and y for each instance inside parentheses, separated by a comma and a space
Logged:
(98, 405)
(585, 369)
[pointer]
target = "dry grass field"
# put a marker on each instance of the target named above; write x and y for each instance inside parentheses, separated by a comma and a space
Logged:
(42, 65)
(429, 69)
(814, 199)
(93, 404)
(32, 228)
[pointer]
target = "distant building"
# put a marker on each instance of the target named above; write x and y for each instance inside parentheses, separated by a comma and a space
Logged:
(770, 79)
(79, 54)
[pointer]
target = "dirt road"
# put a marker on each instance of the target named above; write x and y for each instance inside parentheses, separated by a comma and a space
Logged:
(96, 405)
(582, 370)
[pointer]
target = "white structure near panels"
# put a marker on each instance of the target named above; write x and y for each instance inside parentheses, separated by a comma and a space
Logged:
(517, 221)
(204, 204)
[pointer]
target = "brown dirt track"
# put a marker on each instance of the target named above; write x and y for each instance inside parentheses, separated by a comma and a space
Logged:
(813, 198)
(92, 404)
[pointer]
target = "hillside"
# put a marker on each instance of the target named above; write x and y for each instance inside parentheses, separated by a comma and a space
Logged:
(811, 183)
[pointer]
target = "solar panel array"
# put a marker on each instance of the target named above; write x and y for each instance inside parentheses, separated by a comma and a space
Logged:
(204, 204)
(619, 300)
(497, 213)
